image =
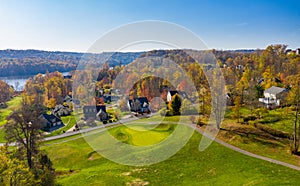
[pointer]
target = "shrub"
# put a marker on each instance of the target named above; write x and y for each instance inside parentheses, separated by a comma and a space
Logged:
(270, 119)
(260, 112)
(274, 132)
(165, 112)
(169, 113)
(249, 118)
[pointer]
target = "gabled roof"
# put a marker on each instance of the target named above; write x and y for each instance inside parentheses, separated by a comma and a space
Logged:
(142, 101)
(68, 98)
(181, 93)
(274, 90)
(51, 118)
(98, 108)
(173, 92)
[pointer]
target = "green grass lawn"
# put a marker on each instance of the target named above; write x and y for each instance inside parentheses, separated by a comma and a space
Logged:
(78, 164)
(13, 105)
(2, 133)
(141, 135)
(280, 118)
(277, 148)
(283, 119)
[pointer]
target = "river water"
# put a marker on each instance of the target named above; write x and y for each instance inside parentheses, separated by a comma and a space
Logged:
(18, 82)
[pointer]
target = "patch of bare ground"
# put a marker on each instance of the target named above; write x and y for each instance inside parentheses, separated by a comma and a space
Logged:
(137, 182)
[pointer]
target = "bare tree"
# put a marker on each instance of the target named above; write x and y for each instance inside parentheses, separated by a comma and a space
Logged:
(296, 135)
(23, 128)
(217, 88)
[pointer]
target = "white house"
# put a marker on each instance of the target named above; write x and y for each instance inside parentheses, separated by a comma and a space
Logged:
(298, 51)
(273, 96)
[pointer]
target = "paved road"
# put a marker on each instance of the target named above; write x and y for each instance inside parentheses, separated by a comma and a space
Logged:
(190, 125)
(246, 152)
(83, 131)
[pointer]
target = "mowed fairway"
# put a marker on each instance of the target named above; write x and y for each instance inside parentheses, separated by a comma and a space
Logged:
(12, 105)
(77, 163)
(142, 135)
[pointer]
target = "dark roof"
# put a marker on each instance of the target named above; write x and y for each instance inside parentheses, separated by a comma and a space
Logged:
(260, 80)
(106, 97)
(173, 92)
(68, 96)
(274, 90)
(51, 118)
(98, 107)
(142, 100)
(182, 93)
(68, 77)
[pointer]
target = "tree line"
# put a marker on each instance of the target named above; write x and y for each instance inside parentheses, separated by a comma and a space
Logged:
(31, 62)
(6, 92)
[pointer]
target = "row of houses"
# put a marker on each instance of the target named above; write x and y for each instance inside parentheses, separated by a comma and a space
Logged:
(51, 122)
(138, 105)
(290, 51)
(272, 98)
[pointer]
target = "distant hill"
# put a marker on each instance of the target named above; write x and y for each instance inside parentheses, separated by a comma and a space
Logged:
(31, 62)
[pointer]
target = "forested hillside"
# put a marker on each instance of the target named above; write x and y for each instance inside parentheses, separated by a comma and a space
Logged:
(31, 62)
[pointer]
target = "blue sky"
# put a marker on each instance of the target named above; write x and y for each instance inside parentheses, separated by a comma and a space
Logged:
(76, 25)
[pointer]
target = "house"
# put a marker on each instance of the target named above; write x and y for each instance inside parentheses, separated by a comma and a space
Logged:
(68, 99)
(68, 77)
(260, 81)
(3, 105)
(106, 98)
(171, 93)
(99, 92)
(95, 112)
(229, 99)
(273, 96)
(140, 105)
(102, 115)
(50, 122)
(298, 51)
(61, 110)
(240, 67)
(290, 51)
